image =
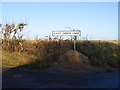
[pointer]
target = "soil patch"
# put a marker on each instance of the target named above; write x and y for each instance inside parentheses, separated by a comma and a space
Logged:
(73, 59)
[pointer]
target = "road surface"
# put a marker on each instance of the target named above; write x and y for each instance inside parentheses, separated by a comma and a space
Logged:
(51, 78)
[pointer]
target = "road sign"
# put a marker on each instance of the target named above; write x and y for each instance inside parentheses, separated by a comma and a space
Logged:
(66, 33)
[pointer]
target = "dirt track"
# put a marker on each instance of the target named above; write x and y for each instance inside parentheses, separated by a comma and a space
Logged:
(51, 78)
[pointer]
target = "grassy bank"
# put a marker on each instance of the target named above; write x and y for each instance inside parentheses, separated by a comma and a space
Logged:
(42, 53)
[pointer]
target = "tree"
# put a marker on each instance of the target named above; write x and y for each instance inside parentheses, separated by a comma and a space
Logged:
(10, 31)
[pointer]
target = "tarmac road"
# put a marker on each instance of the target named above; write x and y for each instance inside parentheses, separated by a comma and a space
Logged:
(50, 78)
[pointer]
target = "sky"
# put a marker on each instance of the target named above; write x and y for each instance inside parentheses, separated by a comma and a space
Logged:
(96, 20)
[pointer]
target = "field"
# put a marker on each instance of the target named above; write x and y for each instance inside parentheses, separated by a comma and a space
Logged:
(44, 53)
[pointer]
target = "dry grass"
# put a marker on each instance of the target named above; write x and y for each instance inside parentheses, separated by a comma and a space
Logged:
(16, 58)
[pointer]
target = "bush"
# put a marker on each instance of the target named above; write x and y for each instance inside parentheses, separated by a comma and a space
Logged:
(12, 45)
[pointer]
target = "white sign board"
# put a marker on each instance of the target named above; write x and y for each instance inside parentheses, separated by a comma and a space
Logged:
(66, 33)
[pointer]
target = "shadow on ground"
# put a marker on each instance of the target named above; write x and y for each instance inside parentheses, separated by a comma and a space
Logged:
(22, 77)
